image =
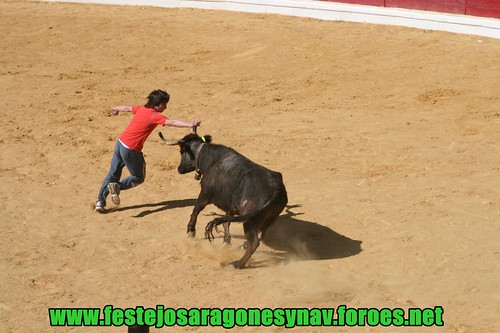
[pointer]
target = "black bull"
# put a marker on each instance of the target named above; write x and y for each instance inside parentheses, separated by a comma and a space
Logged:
(245, 190)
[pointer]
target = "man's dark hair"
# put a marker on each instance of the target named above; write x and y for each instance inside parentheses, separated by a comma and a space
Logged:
(156, 98)
(138, 329)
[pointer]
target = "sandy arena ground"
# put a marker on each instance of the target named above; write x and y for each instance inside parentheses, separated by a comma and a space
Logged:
(386, 138)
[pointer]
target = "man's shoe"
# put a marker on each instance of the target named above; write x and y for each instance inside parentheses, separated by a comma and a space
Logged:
(114, 190)
(99, 207)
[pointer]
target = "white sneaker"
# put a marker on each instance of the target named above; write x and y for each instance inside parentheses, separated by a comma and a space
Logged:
(114, 190)
(99, 207)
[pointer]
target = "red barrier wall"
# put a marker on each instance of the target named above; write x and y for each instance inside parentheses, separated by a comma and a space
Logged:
(445, 6)
(378, 3)
(484, 8)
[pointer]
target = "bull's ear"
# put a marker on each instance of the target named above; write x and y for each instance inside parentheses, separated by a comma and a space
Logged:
(182, 146)
(207, 138)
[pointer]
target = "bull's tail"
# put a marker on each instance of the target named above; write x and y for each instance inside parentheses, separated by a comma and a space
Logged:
(239, 218)
(224, 219)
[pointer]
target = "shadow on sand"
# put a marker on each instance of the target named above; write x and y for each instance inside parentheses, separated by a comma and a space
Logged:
(296, 239)
(305, 240)
(159, 207)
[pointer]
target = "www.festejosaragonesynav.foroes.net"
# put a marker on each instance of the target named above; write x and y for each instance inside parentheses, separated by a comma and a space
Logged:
(227, 318)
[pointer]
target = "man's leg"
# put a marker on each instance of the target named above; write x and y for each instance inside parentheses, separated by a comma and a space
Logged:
(113, 176)
(136, 166)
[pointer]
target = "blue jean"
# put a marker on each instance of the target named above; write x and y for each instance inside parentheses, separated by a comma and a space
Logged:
(123, 157)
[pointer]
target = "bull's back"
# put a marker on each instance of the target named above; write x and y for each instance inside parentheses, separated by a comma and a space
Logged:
(242, 186)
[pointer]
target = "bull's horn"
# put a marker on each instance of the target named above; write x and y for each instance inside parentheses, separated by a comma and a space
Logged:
(169, 143)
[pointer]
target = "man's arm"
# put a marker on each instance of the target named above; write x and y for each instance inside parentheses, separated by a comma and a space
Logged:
(121, 108)
(180, 123)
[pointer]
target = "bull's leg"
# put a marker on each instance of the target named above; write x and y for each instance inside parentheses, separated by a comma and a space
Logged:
(227, 235)
(270, 219)
(263, 227)
(251, 234)
(198, 207)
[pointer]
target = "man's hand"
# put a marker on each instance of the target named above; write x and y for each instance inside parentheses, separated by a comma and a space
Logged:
(122, 108)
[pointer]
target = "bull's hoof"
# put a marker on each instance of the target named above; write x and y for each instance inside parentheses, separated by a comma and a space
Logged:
(191, 233)
(227, 240)
(235, 265)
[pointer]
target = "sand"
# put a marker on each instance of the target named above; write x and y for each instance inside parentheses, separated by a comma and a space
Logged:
(386, 138)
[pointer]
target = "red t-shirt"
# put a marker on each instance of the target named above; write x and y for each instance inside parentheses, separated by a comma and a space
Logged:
(142, 124)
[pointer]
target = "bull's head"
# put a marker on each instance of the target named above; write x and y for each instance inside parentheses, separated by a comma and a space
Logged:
(190, 148)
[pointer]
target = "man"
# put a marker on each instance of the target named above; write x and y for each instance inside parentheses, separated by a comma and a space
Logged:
(138, 329)
(128, 148)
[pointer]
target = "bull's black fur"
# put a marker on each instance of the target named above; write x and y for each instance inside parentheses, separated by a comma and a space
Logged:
(245, 190)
